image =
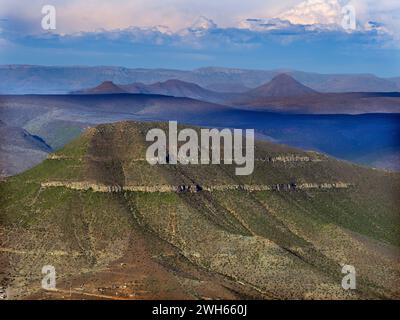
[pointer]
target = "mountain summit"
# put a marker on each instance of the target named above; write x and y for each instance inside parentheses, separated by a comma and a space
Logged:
(282, 85)
(106, 87)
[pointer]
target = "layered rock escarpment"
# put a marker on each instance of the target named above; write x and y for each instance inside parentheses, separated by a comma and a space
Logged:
(194, 188)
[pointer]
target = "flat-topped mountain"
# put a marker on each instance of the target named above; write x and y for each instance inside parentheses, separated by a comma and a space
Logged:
(115, 226)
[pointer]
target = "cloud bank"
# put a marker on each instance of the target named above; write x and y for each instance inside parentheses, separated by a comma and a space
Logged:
(188, 34)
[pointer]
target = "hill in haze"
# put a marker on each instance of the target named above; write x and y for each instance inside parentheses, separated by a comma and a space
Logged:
(115, 227)
(282, 85)
(106, 87)
(284, 94)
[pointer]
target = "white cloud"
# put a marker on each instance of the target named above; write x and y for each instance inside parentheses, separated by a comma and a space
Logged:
(90, 15)
(382, 16)
(385, 12)
(175, 15)
(314, 12)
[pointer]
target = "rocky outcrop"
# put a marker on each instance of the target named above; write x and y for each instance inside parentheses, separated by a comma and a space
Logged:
(54, 156)
(289, 158)
(335, 185)
(282, 187)
(75, 185)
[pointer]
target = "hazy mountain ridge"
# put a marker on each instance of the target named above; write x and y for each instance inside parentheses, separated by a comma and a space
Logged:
(23, 79)
(20, 150)
(172, 87)
(283, 93)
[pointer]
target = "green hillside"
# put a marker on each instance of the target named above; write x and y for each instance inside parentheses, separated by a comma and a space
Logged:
(114, 226)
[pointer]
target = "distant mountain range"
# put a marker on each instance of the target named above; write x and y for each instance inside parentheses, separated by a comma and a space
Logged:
(173, 87)
(24, 79)
(282, 93)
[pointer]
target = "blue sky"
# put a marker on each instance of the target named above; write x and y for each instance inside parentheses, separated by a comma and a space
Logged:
(185, 34)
